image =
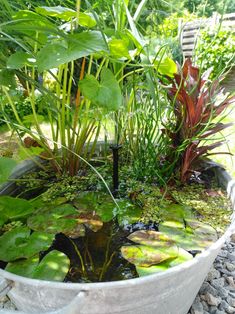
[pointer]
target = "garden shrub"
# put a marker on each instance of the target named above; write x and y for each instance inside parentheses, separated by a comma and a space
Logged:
(216, 49)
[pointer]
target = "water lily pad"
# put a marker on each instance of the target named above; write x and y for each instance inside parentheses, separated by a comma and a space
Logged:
(15, 208)
(18, 243)
(23, 267)
(188, 238)
(183, 256)
(58, 219)
(128, 213)
(90, 220)
(54, 266)
(176, 212)
(145, 256)
(98, 203)
(151, 238)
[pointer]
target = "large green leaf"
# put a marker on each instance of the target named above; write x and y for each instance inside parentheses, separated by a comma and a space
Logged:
(128, 213)
(7, 78)
(78, 46)
(105, 93)
(183, 256)
(6, 167)
(26, 19)
(23, 267)
(166, 67)
(151, 238)
(15, 208)
(198, 238)
(119, 48)
(57, 219)
(20, 59)
(18, 243)
(54, 266)
(154, 248)
(67, 14)
(145, 256)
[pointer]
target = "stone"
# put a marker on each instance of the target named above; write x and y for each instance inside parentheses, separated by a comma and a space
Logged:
(223, 253)
(231, 256)
(230, 266)
(224, 306)
(218, 282)
(211, 300)
(231, 301)
(205, 306)
(233, 238)
(219, 312)
(197, 307)
(213, 274)
(206, 287)
(222, 292)
(230, 281)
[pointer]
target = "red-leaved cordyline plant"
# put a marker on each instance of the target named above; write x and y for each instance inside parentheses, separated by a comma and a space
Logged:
(197, 102)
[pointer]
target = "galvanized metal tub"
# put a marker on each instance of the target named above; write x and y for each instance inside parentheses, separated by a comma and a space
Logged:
(169, 292)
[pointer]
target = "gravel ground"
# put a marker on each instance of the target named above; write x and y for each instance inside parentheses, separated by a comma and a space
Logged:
(217, 294)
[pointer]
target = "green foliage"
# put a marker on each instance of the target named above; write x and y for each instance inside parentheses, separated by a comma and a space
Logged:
(216, 49)
(6, 167)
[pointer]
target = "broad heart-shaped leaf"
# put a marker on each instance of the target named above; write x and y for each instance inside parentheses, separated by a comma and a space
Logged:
(119, 48)
(151, 238)
(78, 46)
(145, 256)
(15, 208)
(183, 256)
(166, 67)
(19, 59)
(105, 93)
(6, 167)
(54, 266)
(7, 78)
(67, 14)
(57, 219)
(18, 243)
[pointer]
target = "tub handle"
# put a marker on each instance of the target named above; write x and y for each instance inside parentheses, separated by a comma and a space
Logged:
(73, 307)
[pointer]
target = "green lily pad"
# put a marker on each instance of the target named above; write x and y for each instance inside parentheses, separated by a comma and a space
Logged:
(145, 256)
(151, 238)
(18, 243)
(127, 212)
(59, 219)
(183, 256)
(23, 267)
(99, 203)
(90, 220)
(15, 208)
(188, 238)
(176, 212)
(54, 266)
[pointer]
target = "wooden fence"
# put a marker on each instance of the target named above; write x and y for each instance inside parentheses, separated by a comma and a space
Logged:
(189, 32)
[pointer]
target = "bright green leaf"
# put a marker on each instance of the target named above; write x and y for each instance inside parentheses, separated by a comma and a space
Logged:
(105, 94)
(23, 267)
(18, 243)
(78, 46)
(7, 78)
(15, 208)
(54, 266)
(118, 48)
(19, 60)
(6, 167)
(166, 67)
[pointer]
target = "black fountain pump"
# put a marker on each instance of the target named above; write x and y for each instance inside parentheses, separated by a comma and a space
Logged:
(115, 149)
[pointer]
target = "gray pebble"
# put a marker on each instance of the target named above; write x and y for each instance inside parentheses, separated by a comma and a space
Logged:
(206, 287)
(231, 301)
(230, 266)
(231, 256)
(218, 282)
(213, 274)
